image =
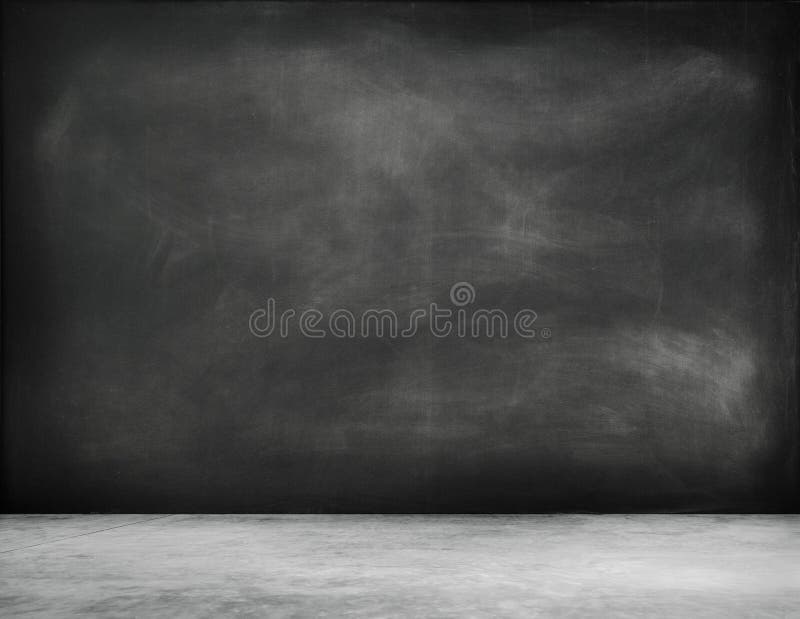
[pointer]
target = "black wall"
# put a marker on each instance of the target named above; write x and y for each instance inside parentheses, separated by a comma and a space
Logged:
(624, 171)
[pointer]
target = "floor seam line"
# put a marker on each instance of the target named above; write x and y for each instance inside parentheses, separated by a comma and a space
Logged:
(61, 539)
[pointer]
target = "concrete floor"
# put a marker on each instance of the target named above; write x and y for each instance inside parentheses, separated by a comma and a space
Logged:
(400, 566)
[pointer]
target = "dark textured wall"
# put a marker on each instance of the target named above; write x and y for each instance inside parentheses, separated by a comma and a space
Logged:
(625, 171)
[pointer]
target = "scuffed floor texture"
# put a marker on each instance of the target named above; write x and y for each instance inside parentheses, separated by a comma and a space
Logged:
(399, 566)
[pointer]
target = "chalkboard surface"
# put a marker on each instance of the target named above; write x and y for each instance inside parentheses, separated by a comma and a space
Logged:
(211, 213)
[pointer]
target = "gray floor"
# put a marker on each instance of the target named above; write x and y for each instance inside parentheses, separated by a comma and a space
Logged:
(400, 566)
